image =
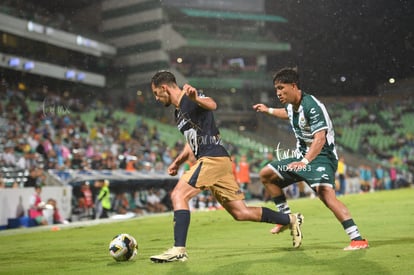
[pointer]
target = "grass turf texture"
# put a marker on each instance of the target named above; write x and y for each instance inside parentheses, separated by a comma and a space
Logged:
(219, 245)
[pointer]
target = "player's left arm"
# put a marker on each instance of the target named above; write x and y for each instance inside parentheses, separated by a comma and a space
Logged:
(204, 102)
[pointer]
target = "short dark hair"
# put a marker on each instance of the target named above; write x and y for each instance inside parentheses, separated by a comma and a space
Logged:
(287, 76)
(163, 77)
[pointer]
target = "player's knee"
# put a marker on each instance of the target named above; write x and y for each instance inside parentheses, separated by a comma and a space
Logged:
(240, 215)
(329, 201)
(174, 195)
(267, 175)
(235, 213)
(177, 196)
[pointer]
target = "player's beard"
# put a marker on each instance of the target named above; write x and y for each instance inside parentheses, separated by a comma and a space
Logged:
(167, 103)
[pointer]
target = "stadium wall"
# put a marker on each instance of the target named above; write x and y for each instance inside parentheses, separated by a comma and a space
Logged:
(12, 199)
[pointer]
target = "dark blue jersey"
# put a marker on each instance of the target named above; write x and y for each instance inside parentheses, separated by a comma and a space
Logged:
(199, 129)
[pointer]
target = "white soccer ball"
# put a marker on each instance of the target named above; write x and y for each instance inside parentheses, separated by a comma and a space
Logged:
(123, 247)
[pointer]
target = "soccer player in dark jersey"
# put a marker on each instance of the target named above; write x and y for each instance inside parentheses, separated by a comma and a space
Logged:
(315, 160)
(212, 170)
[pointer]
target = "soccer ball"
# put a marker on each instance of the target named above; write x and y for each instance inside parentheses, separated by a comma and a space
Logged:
(123, 247)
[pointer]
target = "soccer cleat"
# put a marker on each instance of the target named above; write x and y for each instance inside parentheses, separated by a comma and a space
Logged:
(171, 255)
(279, 228)
(295, 229)
(357, 244)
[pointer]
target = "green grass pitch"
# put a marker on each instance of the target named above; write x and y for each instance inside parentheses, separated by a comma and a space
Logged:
(219, 245)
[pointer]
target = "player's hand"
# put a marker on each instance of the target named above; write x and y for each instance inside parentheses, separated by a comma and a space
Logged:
(172, 169)
(190, 91)
(260, 108)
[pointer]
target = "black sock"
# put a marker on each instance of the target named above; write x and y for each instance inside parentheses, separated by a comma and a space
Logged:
(352, 230)
(279, 199)
(281, 204)
(271, 216)
(181, 224)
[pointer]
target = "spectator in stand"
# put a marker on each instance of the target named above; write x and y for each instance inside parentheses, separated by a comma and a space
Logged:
(341, 172)
(205, 200)
(77, 161)
(103, 199)
(8, 158)
(88, 199)
(353, 182)
(267, 160)
(35, 178)
(243, 175)
(387, 180)
(159, 168)
(234, 166)
(37, 206)
(57, 217)
(96, 163)
(393, 177)
(131, 163)
(364, 178)
(379, 177)
(147, 167)
(109, 161)
(78, 210)
(167, 156)
(154, 201)
(369, 178)
(15, 184)
(140, 202)
(121, 203)
(51, 161)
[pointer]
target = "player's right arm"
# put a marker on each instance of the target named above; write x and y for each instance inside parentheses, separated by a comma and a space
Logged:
(277, 112)
(180, 159)
(204, 102)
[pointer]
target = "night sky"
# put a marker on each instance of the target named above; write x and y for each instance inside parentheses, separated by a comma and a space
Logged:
(366, 42)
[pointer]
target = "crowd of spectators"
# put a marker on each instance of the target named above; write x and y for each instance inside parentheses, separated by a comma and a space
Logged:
(36, 141)
(37, 13)
(387, 114)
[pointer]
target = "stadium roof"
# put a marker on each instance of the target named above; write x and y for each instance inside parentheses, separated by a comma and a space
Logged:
(246, 45)
(233, 15)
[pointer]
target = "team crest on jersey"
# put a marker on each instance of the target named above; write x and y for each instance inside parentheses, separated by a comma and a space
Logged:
(320, 169)
(302, 122)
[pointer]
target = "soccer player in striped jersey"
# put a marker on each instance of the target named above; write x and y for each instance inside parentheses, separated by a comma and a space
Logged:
(315, 159)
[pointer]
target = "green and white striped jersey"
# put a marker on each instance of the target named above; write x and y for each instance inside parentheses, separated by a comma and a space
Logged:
(311, 117)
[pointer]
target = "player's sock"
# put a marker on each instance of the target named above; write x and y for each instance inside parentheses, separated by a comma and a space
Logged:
(271, 216)
(281, 204)
(181, 224)
(352, 230)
